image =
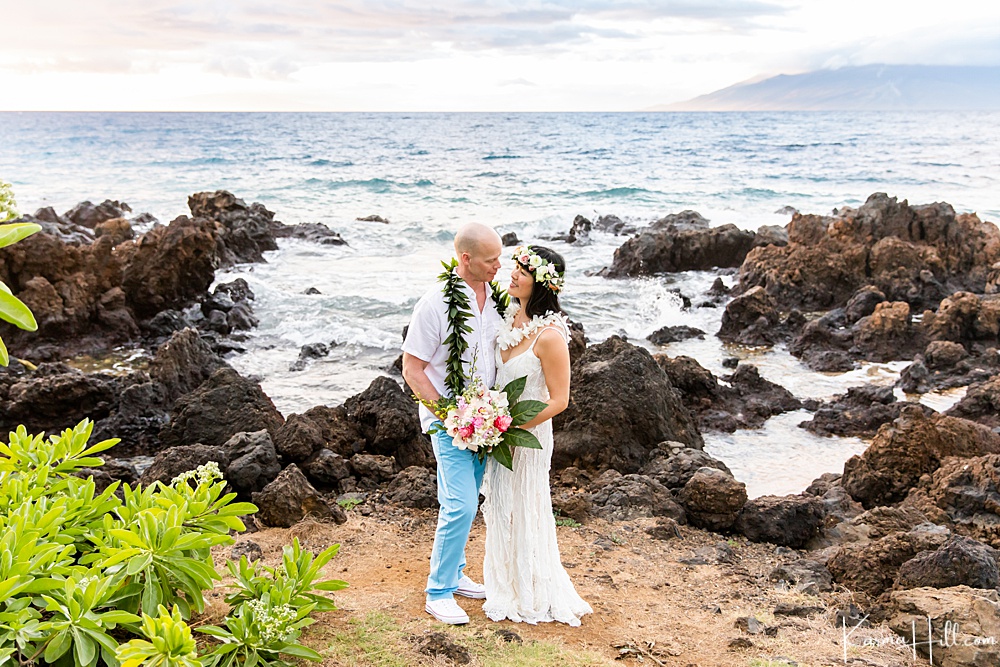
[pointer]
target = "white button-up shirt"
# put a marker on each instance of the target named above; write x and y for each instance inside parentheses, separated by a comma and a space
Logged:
(428, 329)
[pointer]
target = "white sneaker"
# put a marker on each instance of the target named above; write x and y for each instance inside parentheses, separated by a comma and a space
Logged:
(447, 611)
(470, 589)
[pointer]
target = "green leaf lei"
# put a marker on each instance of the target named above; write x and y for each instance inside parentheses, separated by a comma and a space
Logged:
(459, 311)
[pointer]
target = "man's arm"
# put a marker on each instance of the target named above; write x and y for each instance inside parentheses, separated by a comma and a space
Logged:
(415, 374)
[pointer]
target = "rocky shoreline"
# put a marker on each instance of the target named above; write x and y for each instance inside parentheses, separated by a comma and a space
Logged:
(913, 518)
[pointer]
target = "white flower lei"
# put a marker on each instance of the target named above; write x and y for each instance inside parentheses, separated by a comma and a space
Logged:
(509, 335)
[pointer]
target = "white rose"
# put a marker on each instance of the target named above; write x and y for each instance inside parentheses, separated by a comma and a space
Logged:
(535, 261)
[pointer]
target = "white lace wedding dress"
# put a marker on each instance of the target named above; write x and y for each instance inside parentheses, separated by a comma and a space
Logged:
(524, 577)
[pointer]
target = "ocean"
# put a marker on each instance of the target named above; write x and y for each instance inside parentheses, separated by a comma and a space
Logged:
(525, 173)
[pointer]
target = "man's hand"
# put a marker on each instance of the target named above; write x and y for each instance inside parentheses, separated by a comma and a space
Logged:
(415, 374)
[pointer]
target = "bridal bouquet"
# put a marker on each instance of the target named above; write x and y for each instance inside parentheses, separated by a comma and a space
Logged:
(486, 421)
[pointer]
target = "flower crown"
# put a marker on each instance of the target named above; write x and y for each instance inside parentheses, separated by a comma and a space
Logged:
(542, 269)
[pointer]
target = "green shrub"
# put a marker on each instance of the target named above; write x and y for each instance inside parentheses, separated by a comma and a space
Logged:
(78, 566)
(170, 643)
(13, 309)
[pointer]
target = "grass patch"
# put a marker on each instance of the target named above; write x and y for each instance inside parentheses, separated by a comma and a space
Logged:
(568, 522)
(373, 641)
(761, 662)
(349, 503)
(379, 640)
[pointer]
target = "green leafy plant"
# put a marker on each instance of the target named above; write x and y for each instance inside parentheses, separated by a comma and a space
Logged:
(170, 643)
(77, 622)
(259, 632)
(293, 582)
(349, 503)
(13, 309)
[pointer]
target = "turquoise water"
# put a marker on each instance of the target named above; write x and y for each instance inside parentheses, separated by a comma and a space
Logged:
(527, 173)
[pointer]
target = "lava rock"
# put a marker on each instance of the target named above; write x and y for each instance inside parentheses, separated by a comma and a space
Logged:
(911, 446)
(712, 499)
(389, 422)
(667, 335)
(171, 462)
(961, 561)
(253, 461)
(621, 406)
(221, 407)
(789, 521)
(414, 487)
(632, 496)
(290, 498)
(751, 319)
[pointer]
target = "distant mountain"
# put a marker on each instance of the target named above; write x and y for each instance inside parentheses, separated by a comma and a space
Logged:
(868, 88)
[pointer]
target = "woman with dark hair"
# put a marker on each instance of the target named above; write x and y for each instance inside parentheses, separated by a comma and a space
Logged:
(524, 577)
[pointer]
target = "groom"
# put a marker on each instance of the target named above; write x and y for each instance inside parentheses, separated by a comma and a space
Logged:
(425, 369)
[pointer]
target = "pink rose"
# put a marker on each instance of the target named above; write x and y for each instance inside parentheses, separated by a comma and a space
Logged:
(466, 431)
(503, 422)
(478, 422)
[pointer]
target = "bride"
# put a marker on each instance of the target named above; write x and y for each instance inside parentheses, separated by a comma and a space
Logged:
(524, 577)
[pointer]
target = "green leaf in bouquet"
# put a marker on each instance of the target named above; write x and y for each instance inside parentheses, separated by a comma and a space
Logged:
(514, 389)
(518, 437)
(523, 412)
(503, 455)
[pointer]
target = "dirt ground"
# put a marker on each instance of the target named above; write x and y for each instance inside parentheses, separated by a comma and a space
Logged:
(650, 607)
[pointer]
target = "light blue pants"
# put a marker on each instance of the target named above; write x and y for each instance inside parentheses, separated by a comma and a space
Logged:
(459, 474)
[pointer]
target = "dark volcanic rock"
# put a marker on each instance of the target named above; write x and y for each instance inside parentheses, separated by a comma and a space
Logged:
(389, 422)
(632, 496)
(886, 334)
(912, 446)
(141, 411)
(803, 574)
(243, 232)
(751, 319)
(221, 407)
(376, 468)
(621, 406)
(580, 231)
(965, 494)
(789, 521)
(673, 470)
(941, 354)
(171, 462)
(170, 266)
(746, 400)
(916, 254)
(315, 232)
(859, 412)
(325, 467)
(960, 561)
(290, 498)
(253, 461)
(183, 363)
(414, 487)
(667, 335)
(981, 403)
(55, 397)
(712, 499)
(319, 427)
(872, 567)
(89, 215)
(681, 242)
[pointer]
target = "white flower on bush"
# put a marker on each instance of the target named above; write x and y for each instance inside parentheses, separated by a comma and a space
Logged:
(8, 207)
(204, 474)
(272, 622)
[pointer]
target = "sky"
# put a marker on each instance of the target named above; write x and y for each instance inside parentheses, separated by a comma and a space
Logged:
(453, 55)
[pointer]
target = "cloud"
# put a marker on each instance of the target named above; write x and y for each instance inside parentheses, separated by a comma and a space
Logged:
(259, 39)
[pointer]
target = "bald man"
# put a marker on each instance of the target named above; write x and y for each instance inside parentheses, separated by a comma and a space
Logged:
(425, 357)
